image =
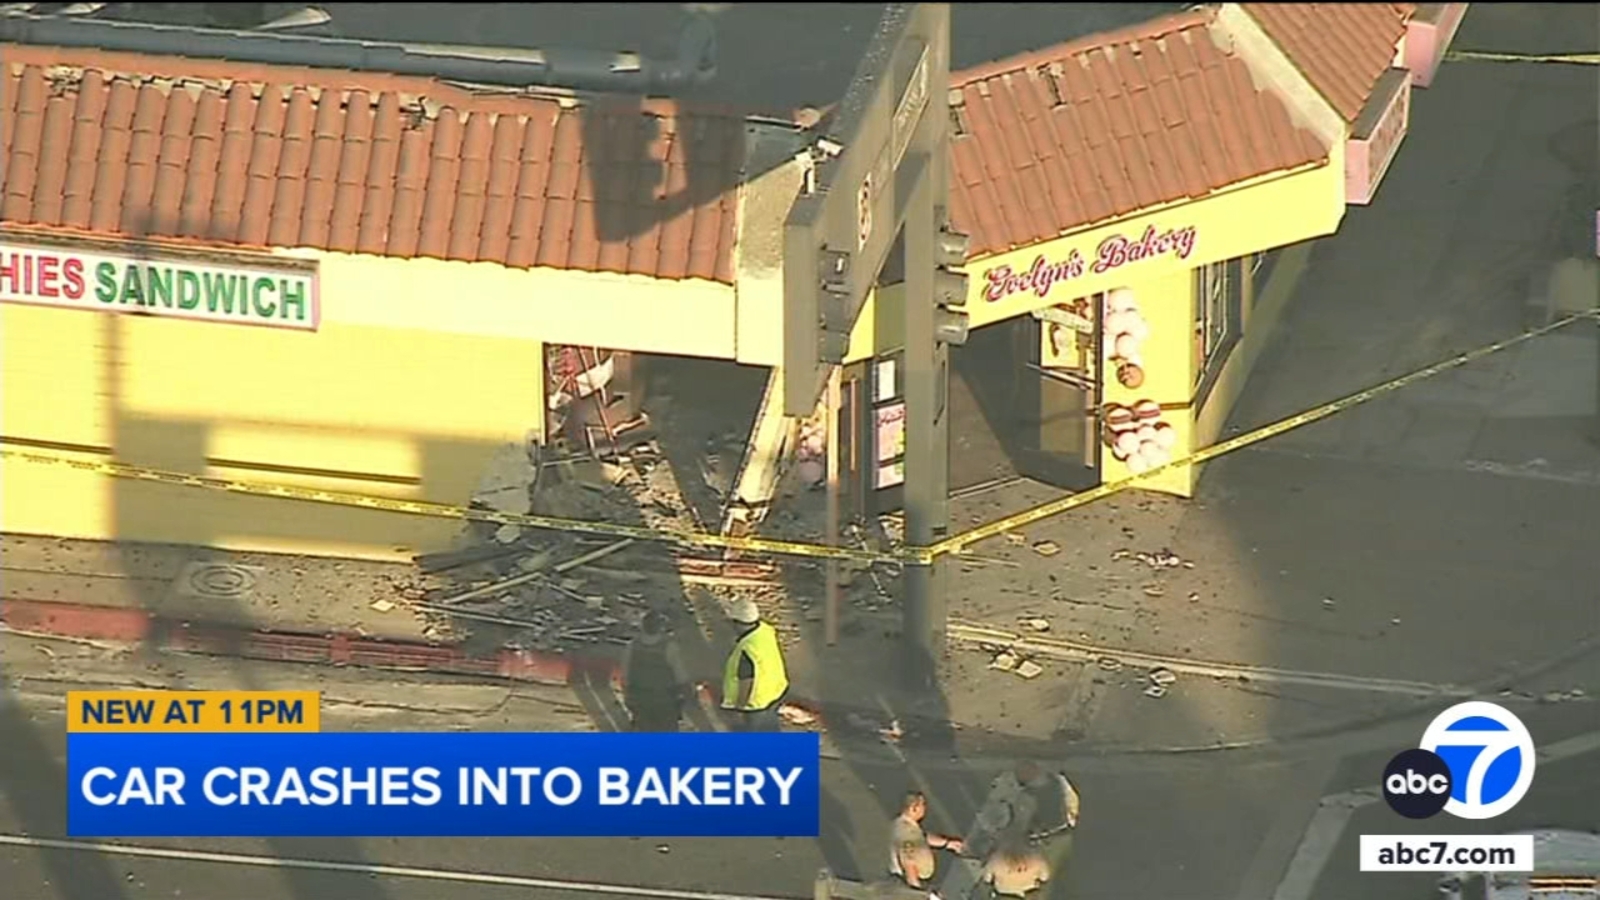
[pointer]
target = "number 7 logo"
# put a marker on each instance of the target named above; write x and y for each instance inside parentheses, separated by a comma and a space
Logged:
(1490, 755)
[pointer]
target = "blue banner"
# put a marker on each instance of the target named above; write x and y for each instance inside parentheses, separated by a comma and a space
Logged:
(453, 784)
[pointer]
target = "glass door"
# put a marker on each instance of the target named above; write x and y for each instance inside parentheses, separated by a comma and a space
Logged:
(1063, 347)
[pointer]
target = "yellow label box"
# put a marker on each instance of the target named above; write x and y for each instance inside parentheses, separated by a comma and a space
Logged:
(199, 711)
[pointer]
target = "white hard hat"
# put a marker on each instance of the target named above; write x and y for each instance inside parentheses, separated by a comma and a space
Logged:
(744, 611)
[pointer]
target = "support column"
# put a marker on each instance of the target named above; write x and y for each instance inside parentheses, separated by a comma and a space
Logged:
(830, 613)
(771, 437)
(927, 436)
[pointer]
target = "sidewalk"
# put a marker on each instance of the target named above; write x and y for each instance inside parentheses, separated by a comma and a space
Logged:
(249, 605)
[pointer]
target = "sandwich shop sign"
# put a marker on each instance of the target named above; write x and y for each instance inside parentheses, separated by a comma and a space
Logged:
(70, 278)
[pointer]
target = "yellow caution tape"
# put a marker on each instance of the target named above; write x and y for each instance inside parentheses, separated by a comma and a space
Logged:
(957, 543)
(465, 513)
(705, 540)
(1575, 59)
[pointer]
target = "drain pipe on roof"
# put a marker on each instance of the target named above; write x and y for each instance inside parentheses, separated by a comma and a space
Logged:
(588, 70)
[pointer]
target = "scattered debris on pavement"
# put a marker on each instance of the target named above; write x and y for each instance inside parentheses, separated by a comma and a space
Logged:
(968, 558)
(1563, 696)
(1047, 548)
(1005, 660)
(1161, 680)
(1036, 624)
(1160, 559)
(797, 716)
(892, 733)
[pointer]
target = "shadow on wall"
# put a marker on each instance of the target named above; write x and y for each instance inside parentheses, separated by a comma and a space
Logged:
(704, 412)
(992, 369)
(1034, 424)
(449, 472)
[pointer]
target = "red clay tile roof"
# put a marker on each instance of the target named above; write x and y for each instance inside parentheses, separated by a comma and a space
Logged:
(1341, 48)
(1108, 125)
(248, 155)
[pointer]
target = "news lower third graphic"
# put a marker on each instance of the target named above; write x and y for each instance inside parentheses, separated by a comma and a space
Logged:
(193, 711)
(1447, 853)
(1475, 761)
(246, 764)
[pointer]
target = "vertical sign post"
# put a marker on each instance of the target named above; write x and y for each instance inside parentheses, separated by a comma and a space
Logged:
(880, 172)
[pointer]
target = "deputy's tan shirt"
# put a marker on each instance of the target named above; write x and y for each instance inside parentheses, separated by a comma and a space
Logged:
(907, 841)
(1016, 880)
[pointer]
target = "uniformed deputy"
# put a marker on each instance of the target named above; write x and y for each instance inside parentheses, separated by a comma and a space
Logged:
(911, 849)
(754, 679)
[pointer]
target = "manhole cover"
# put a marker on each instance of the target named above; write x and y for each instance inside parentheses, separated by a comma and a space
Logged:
(217, 581)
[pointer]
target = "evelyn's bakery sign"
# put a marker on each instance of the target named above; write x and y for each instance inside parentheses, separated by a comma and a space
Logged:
(1114, 252)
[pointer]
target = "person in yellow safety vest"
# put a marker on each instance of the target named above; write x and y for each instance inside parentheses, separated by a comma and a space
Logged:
(754, 679)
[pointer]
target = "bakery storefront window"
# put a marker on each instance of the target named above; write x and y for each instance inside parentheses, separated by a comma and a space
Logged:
(1218, 298)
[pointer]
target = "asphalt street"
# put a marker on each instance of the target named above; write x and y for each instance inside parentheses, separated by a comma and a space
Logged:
(1142, 815)
(1166, 807)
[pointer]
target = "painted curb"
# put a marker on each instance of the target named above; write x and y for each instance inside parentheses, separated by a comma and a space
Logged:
(134, 626)
(139, 627)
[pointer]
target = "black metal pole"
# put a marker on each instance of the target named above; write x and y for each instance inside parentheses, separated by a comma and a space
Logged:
(925, 481)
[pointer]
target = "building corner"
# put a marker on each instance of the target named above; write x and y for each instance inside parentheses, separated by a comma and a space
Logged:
(775, 168)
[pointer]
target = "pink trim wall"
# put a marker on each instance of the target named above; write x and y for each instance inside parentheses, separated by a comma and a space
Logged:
(1428, 36)
(1367, 159)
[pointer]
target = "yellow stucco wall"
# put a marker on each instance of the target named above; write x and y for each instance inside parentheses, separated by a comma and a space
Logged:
(1167, 304)
(1252, 217)
(368, 404)
(1247, 218)
(622, 312)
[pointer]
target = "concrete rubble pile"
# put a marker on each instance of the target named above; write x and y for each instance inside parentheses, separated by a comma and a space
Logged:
(543, 589)
(868, 592)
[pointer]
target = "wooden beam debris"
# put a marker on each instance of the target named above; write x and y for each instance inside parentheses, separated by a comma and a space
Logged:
(496, 587)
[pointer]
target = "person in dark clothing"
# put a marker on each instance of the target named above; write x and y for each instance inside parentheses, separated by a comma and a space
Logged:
(654, 681)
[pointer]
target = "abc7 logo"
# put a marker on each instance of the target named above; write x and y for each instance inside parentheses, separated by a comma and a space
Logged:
(1417, 784)
(1446, 775)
